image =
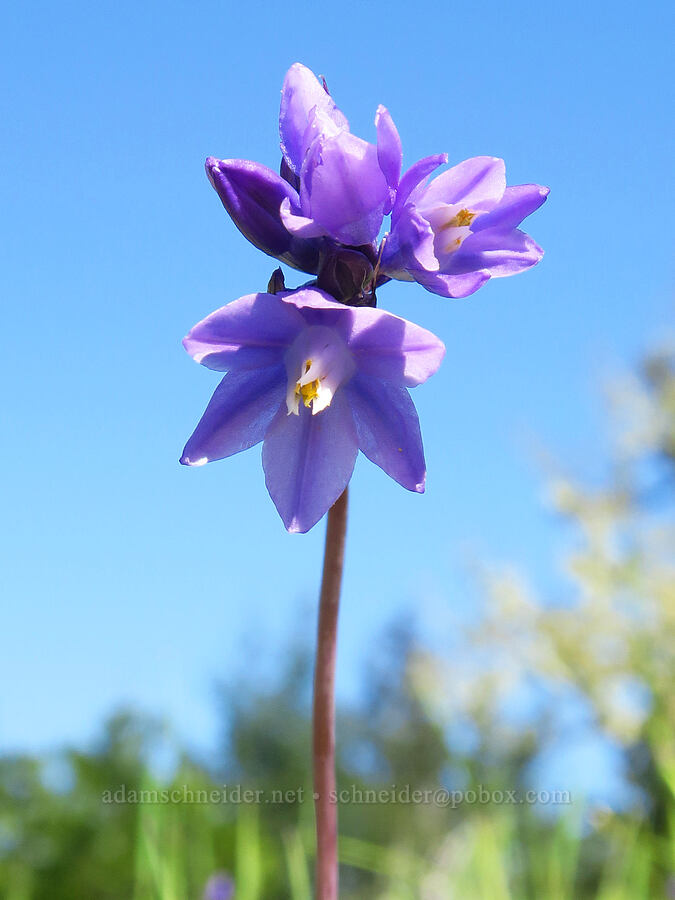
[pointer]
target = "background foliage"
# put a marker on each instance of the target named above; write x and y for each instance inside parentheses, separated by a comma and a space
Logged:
(592, 664)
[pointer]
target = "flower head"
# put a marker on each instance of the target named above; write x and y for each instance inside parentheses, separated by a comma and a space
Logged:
(316, 381)
(456, 232)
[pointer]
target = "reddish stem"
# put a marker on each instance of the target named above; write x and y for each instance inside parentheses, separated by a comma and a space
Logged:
(324, 704)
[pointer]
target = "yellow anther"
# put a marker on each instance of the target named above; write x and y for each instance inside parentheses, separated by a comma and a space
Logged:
(464, 217)
(308, 392)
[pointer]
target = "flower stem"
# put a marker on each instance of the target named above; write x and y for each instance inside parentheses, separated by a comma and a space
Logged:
(324, 704)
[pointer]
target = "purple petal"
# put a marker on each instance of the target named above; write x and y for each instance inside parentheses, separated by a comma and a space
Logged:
(416, 238)
(252, 195)
(249, 333)
(238, 415)
(390, 348)
(477, 183)
(343, 188)
(313, 299)
(395, 256)
(388, 430)
(319, 308)
(518, 201)
(499, 251)
(301, 93)
(299, 225)
(389, 152)
(451, 285)
(417, 173)
(308, 461)
(383, 345)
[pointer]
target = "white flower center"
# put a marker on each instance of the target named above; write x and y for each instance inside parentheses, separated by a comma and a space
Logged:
(317, 363)
(450, 225)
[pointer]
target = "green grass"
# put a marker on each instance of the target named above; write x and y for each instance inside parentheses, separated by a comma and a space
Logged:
(490, 856)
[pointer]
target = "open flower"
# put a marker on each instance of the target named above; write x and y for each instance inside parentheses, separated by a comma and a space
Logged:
(316, 381)
(456, 232)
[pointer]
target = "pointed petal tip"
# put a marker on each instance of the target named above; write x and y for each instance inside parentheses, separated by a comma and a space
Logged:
(295, 527)
(421, 487)
(213, 167)
(298, 67)
(188, 343)
(193, 463)
(542, 190)
(222, 167)
(293, 71)
(192, 348)
(535, 249)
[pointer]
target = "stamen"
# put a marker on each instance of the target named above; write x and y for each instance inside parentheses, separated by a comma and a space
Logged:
(451, 233)
(309, 391)
(464, 217)
(317, 364)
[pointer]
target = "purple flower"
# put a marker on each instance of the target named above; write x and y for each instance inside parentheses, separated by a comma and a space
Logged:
(345, 183)
(316, 381)
(219, 887)
(252, 194)
(335, 186)
(456, 232)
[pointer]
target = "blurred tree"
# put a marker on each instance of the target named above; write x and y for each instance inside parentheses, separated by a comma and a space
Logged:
(603, 656)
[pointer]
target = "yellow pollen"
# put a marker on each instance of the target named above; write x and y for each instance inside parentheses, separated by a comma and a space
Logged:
(309, 391)
(463, 217)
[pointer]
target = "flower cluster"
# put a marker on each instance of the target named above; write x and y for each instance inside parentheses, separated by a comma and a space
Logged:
(318, 373)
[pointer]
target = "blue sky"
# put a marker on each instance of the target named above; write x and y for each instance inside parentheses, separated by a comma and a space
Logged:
(129, 579)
